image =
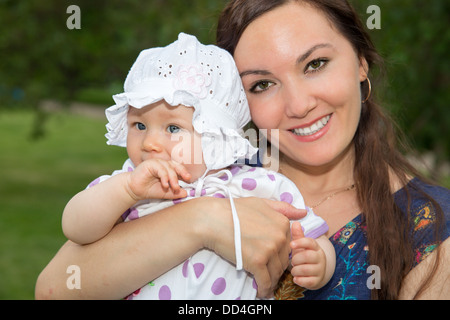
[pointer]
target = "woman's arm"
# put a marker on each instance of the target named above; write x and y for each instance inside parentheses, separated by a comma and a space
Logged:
(128, 257)
(136, 252)
(439, 286)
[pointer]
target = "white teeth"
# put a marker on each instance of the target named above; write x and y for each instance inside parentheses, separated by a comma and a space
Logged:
(312, 129)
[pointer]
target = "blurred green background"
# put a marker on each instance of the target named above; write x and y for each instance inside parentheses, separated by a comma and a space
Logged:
(55, 84)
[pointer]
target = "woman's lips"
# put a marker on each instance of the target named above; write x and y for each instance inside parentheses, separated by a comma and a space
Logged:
(314, 131)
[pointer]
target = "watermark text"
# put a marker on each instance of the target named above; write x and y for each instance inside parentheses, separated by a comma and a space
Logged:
(74, 20)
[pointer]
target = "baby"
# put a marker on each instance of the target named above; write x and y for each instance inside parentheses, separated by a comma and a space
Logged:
(180, 118)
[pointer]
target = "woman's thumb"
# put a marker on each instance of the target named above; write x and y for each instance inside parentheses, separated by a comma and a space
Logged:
(288, 210)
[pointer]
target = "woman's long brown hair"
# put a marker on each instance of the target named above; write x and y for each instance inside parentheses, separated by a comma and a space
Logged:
(378, 148)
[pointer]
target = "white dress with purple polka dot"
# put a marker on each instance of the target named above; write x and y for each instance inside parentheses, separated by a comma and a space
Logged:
(205, 275)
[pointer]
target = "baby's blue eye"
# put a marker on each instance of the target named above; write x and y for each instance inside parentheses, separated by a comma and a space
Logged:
(140, 126)
(173, 129)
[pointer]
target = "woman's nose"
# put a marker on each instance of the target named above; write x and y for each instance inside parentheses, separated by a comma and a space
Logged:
(298, 100)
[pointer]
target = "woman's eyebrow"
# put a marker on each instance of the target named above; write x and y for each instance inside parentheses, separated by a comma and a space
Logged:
(299, 60)
(305, 56)
(256, 72)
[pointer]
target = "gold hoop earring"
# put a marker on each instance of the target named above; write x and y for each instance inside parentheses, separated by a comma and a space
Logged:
(370, 91)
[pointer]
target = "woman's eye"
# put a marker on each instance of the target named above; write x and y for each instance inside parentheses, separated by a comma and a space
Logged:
(140, 126)
(173, 129)
(261, 86)
(316, 65)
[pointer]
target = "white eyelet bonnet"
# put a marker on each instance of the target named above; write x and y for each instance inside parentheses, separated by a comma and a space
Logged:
(201, 76)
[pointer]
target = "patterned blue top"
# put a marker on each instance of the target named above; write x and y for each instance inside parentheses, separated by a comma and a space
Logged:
(349, 281)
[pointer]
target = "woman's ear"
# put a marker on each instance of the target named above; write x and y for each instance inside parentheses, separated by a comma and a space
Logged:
(363, 69)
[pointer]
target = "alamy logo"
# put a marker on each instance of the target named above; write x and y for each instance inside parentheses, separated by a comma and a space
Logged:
(374, 21)
(374, 280)
(74, 280)
(74, 20)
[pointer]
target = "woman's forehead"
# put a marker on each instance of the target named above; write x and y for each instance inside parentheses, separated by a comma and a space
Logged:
(286, 31)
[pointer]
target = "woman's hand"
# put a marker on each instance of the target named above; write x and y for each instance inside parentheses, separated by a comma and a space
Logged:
(265, 236)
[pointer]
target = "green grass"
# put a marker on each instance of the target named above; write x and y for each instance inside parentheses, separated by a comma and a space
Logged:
(37, 178)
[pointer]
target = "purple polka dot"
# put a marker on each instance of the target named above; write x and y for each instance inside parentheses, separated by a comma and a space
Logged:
(164, 293)
(134, 214)
(184, 270)
(224, 177)
(248, 184)
(286, 197)
(234, 170)
(198, 269)
(218, 195)
(255, 285)
(130, 169)
(219, 286)
(271, 177)
(93, 183)
(176, 201)
(251, 169)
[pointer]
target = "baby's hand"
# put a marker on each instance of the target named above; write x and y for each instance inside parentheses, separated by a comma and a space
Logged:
(157, 179)
(308, 259)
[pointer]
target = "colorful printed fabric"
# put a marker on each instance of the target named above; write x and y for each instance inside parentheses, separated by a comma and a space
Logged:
(349, 281)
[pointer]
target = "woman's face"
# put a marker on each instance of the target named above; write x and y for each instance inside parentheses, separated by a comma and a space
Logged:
(302, 77)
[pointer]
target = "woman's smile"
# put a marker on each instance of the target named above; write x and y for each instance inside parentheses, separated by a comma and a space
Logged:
(307, 130)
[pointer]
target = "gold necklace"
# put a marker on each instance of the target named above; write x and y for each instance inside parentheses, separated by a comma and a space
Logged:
(332, 195)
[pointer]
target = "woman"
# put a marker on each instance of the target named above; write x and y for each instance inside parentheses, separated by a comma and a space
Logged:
(305, 66)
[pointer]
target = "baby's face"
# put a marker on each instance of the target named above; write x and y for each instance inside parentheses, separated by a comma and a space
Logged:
(161, 131)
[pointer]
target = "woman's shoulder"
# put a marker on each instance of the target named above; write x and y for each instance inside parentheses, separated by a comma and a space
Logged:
(421, 193)
(429, 212)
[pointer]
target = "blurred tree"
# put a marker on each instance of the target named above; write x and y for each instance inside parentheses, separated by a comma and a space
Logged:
(414, 40)
(41, 58)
